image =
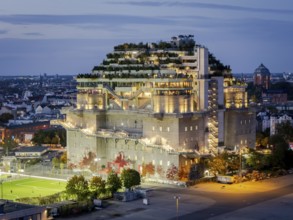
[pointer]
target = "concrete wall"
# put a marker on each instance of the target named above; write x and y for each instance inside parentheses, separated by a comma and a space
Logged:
(240, 126)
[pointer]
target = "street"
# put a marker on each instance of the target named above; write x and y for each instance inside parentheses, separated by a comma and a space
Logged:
(269, 199)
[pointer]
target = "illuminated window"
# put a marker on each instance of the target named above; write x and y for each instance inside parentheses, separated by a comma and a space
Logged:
(168, 129)
(154, 162)
(190, 128)
(196, 127)
(185, 162)
(135, 158)
(153, 128)
(241, 142)
(161, 162)
(168, 163)
(185, 128)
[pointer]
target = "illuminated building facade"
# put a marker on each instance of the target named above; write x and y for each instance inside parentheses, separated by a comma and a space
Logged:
(148, 103)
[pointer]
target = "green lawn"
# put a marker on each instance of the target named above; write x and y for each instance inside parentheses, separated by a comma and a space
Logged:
(30, 187)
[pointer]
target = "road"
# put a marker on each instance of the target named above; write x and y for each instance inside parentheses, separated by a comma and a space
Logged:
(270, 199)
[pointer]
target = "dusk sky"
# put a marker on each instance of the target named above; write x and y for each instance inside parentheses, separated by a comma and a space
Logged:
(72, 36)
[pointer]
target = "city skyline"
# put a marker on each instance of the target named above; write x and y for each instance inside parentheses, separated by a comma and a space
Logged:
(71, 37)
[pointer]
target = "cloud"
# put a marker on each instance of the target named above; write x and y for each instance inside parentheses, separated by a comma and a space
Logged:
(81, 19)
(203, 5)
(3, 31)
(33, 34)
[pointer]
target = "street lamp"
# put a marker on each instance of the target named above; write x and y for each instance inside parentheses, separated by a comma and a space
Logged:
(96, 161)
(240, 165)
(177, 204)
(1, 181)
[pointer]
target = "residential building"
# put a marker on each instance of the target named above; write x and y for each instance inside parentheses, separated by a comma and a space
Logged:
(278, 119)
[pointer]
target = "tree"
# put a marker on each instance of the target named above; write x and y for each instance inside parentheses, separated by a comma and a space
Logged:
(285, 129)
(218, 165)
(5, 117)
(172, 172)
(55, 140)
(148, 169)
(130, 178)
(160, 171)
(97, 185)
(258, 161)
(183, 172)
(279, 151)
(78, 186)
(113, 182)
(63, 158)
(8, 144)
(233, 162)
(50, 137)
(56, 162)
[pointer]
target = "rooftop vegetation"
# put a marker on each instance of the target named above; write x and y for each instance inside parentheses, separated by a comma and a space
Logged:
(217, 67)
(128, 75)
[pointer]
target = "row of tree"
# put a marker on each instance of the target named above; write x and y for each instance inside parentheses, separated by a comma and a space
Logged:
(280, 156)
(81, 188)
(52, 137)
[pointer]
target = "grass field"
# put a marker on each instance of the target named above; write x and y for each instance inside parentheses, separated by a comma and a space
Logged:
(30, 187)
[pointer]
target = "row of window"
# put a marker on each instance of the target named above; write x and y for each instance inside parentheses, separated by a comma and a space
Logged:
(154, 162)
(244, 122)
(191, 128)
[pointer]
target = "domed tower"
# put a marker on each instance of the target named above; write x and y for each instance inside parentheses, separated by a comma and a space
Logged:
(262, 77)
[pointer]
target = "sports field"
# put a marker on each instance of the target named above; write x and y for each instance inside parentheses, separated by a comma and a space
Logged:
(30, 187)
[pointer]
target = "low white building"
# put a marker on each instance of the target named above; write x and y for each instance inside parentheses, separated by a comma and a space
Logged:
(274, 120)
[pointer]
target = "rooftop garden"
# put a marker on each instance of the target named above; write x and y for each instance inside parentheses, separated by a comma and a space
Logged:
(129, 75)
(217, 67)
(128, 68)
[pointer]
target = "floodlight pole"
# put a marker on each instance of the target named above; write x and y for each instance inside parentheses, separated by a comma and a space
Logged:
(177, 205)
(1, 189)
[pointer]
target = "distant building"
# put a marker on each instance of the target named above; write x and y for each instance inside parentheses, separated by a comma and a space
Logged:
(274, 97)
(278, 119)
(31, 152)
(263, 121)
(15, 210)
(262, 77)
(23, 132)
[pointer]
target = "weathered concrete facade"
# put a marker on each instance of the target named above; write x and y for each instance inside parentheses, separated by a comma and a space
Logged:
(240, 127)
